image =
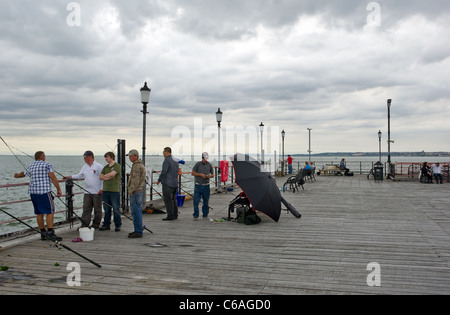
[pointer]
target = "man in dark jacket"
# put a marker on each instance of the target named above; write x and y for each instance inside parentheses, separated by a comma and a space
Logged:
(169, 180)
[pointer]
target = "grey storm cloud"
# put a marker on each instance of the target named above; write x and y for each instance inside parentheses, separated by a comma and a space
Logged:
(287, 62)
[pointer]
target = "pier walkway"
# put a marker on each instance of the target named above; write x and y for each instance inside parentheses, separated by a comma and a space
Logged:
(347, 223)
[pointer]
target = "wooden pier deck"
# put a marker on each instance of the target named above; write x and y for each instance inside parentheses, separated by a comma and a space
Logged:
(347, 223)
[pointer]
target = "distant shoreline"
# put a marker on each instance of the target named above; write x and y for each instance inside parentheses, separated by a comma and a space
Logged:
(393, 154)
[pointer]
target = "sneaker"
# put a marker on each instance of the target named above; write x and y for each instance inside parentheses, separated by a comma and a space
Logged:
(53, 237)
(195, 218)
(104, 228)
(134, 235)
(117, 229)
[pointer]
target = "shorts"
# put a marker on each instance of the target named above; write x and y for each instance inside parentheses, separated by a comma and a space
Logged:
(43, 204)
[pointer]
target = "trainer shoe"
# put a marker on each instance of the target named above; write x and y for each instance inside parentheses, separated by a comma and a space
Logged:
(134, 235)
(51, 234)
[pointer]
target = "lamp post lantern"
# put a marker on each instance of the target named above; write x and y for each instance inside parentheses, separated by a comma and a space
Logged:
(261, 128)
(219, 116)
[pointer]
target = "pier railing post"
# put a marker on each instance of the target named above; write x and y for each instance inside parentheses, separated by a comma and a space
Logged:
(69, 200)
(121, 155)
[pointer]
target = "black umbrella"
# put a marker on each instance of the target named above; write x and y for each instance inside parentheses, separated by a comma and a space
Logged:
(260, 188)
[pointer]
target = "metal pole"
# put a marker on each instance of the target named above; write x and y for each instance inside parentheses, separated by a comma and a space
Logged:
(389, 102)
(262, 150)
(144, 132)
(309, 129)
(379, 146)
(282, 163)
(218, 150)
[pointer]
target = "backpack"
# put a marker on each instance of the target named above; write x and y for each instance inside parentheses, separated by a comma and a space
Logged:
(251, 217)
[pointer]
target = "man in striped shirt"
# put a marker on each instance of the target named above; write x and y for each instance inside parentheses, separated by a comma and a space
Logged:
(42, 175)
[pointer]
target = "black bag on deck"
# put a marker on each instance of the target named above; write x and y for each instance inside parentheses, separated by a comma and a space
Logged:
(251, 217)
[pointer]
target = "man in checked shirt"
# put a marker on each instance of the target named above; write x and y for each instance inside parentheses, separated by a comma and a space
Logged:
(42, 175)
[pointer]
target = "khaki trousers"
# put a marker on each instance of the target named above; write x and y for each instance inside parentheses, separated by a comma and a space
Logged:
(92, 201)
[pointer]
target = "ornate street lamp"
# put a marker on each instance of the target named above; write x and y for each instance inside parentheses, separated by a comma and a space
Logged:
(379, 145)
(219, 116)
(145, 99)
(283, 134)
(389, 103)
(309, 130)
(261, 128)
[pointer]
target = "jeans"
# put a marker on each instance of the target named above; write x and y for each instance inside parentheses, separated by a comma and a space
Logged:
(136, 212)
(290, 168)
(111, 198)
(170, 201)
(201, 191)
(438, 176)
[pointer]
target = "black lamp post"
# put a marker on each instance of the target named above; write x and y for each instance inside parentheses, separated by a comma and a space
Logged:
(283, 134)
(145, 99)
(309, 150)
(261, 128)
(379, 145)
(219, 115)
(389, 103)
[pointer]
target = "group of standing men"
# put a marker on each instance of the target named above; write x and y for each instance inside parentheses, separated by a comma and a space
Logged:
(102, 186)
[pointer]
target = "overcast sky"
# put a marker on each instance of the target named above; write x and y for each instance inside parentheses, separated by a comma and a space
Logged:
(66, 87)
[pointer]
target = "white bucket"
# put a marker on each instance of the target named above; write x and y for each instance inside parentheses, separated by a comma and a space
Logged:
(86, 234)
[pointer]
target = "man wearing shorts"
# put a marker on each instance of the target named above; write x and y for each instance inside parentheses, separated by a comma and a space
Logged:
(42, 175)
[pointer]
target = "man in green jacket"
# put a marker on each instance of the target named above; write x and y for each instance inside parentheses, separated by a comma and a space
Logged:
(136, 184)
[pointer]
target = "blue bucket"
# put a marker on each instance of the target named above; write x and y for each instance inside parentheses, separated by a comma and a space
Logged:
(180, 200)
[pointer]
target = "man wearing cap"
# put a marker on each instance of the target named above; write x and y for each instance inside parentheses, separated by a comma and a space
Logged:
(136, 184)
(90, 172)
(202, 171)
(169, 180)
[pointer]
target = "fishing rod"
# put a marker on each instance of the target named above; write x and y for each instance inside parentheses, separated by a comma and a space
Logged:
(57, 243)
(24, 166)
